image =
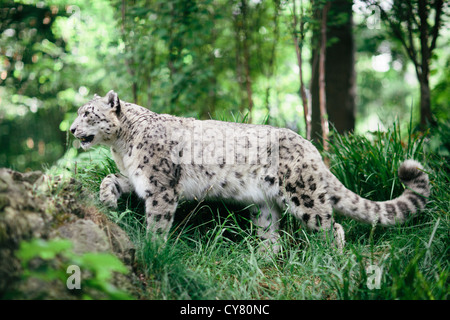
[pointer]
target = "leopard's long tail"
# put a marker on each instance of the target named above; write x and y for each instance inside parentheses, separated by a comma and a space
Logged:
(385, 213)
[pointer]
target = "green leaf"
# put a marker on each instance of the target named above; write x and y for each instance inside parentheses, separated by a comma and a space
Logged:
(46, 250)
(102, 264)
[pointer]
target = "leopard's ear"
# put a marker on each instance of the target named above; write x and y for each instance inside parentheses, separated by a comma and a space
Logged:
(96, 96)
(113, 100)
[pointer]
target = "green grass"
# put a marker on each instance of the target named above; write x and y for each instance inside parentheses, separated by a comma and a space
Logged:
(212, 249)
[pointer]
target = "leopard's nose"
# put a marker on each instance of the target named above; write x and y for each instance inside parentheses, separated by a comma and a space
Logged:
(72, 130)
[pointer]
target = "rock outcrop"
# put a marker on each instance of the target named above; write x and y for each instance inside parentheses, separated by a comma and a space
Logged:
(34, 205)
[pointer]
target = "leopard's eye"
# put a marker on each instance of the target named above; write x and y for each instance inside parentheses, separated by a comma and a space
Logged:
(86, 113)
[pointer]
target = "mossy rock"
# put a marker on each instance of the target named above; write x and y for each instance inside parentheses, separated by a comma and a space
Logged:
(36, 206)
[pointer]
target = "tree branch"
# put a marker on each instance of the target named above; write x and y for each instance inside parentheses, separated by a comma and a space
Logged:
(410, 33)
(437, 21)
(423, 32)
(411, 13)
(398, 34)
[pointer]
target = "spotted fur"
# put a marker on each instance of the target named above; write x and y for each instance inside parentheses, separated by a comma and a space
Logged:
(164, 158)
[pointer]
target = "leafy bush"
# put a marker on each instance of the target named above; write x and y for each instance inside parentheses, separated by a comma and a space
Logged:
(50, 261)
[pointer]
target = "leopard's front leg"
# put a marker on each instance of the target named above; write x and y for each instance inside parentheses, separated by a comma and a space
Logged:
(112, 188)
(160, 210)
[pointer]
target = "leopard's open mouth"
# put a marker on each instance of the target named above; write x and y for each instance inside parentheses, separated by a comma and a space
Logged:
(87, 139)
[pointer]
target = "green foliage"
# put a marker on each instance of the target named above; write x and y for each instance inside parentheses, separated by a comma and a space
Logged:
(401, 277)
(381, 150)
(190, 58)
(49, 261)
(42, 249)
(168, 275)
(46, 46)
(102, 265)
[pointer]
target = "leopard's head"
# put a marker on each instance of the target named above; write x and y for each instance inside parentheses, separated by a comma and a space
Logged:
(98, 121)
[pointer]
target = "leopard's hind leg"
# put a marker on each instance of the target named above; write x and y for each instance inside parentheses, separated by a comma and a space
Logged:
(266, 218)
(321, 220)
(308, 201)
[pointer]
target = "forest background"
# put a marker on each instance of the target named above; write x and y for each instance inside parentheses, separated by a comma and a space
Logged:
(237, 60)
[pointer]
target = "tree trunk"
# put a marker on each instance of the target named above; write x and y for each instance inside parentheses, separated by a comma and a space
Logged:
(298, 50)
(316, 130)
(238, 53)
(322, 94)
(426, 117)
(128, 62)
(424, 73)
(339, 73)
(270, 66)
(340, 69)
(248, 79)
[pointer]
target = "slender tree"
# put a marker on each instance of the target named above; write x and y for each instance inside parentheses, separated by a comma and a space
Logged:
(270, 69)
(409, 21)
(129, 62)
(245, 44)
(241, 19)
(299, 37)
(322, 94)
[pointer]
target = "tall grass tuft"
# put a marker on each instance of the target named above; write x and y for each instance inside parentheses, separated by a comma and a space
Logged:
(368, 166)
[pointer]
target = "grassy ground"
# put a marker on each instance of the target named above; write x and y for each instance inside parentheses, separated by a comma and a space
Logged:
(211, 252)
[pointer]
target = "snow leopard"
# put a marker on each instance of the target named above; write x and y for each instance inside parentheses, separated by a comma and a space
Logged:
(165, 158)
